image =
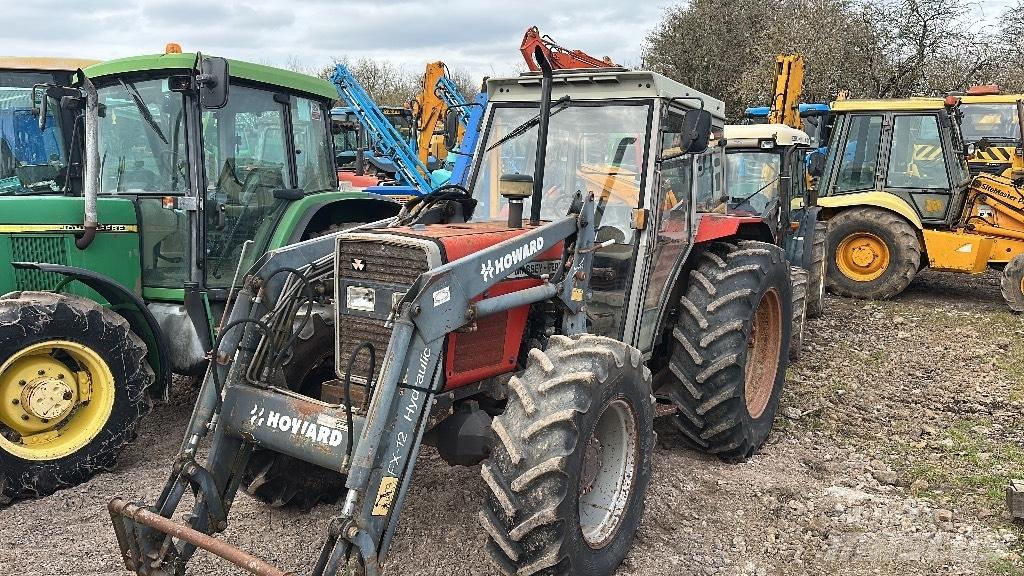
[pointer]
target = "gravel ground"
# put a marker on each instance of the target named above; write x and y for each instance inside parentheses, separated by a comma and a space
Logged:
(897, 433)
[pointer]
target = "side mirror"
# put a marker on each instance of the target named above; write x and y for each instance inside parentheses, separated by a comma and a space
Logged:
(816, 164)
(970, 150)
(213, 83)
(695, 133)
(451, 130)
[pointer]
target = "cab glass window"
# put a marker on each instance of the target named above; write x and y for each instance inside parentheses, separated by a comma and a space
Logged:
(313, 163)
(753, 179)
(860, 154)
(916, 158)
(142, 138)
(246, 161)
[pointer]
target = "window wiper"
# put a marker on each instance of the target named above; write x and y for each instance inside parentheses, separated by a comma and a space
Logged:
(522, 128)
(143, 110)
(758, 191)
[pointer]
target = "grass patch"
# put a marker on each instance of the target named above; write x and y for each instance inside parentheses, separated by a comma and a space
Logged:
(975, 464)
(1005, 568)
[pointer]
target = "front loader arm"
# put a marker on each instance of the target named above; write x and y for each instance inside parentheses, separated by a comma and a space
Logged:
(242, 410)
(439, 302)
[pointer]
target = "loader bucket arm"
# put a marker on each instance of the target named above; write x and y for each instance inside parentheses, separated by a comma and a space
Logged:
(243, 410)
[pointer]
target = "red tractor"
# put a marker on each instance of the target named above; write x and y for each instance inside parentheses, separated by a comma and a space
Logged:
(541, 350)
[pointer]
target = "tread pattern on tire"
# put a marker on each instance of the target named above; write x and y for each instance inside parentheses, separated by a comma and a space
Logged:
(706, 369)
(799, 278)
(905, 256)
(34, 312)
(816, 275)
(526, 478)
(1010, 283)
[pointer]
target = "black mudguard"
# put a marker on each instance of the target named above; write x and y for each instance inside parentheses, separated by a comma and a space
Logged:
(132, 308)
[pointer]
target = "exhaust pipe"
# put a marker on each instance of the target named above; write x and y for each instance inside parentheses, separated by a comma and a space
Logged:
(91, 182)
(542, 135)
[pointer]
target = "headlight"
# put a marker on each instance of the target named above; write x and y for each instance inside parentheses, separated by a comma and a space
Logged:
(359, 298)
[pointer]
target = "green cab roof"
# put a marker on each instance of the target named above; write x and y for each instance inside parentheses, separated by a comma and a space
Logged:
(238, 69)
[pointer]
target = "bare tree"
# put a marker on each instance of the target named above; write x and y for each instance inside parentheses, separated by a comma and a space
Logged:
(872, 48)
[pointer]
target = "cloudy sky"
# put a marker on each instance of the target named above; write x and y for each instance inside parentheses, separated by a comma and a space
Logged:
(481, 37)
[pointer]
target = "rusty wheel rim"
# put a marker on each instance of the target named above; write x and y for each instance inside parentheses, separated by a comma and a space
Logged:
(763, 353)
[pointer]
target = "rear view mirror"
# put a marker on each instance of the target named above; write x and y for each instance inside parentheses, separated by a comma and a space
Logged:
(451, 129)
(816, 164)
(695, 133)
(213, 83)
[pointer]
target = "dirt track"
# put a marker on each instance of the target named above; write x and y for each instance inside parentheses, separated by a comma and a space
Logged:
(898, 430)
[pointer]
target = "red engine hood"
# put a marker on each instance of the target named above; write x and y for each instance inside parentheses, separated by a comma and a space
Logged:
(460, 240)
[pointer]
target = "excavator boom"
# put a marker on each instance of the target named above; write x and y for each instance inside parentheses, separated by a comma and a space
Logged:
(789, 82)
(561, 58)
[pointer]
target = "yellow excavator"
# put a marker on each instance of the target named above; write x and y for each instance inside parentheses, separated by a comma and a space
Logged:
(429, 108)
(898, 196)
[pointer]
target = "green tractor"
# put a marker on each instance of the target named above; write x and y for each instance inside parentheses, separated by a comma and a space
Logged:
(173, 174)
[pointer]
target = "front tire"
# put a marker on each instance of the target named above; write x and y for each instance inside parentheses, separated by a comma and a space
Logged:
(730, 348)
(818, 271)
(1012, 283)
(798, 276)
(566, 481)
(873, 253)
(74, 386)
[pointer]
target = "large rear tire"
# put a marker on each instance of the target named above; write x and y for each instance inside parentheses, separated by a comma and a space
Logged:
(1012, 283)
(565, 484)
(74, 386)
(819, 268)
(730, 348)
(278, 479)
(798, 277)
(873, 253)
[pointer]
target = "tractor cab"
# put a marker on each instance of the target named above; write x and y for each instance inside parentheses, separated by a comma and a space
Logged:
(616, 134)
(765, 168)
(905, 155)
(34, 160)
(236, 168)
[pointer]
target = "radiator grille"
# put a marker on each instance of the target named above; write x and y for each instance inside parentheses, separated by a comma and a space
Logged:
(48, 249)
(379, 264)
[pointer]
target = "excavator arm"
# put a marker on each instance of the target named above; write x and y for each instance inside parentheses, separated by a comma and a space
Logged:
(430, 106)
(789, 82)
(561, 58)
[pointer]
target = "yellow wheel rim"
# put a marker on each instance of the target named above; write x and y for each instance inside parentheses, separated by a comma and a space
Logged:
(55, 397)
(862, 256)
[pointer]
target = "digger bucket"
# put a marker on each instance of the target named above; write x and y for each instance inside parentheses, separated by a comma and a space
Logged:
(133, 523)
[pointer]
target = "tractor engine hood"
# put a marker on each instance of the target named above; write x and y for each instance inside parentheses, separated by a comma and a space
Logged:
(459, 240)
(375, 268)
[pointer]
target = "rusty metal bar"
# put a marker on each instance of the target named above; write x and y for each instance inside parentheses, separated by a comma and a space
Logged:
(136, 513)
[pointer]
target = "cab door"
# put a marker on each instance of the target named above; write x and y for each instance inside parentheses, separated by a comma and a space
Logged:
(917, 166)
(247, 159)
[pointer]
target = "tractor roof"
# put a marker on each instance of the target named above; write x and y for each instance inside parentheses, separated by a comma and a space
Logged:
(44, 63)
(238, 69)
(602, 84)
(751, 135)
(883, 105)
